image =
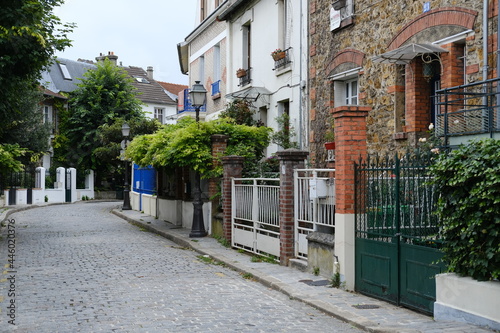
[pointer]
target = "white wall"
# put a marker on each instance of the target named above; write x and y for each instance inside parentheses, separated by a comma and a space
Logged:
(284, 84)
(169, 112)
(467, 300)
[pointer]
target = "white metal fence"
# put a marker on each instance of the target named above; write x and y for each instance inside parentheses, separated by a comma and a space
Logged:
(314, 205)
(255, 215)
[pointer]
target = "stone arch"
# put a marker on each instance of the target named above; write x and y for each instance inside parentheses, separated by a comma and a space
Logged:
(446, 16)
(347, 59)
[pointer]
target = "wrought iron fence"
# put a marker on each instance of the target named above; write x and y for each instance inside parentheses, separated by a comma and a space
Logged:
(468, 109)
(394, 198)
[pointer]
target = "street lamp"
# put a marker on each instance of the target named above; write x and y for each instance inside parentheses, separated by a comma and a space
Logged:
(198, 96)
(126, 190)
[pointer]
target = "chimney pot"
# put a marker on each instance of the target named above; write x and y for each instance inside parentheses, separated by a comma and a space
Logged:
(150, 72)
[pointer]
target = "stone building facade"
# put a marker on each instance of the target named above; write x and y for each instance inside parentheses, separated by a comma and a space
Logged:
(360, 57)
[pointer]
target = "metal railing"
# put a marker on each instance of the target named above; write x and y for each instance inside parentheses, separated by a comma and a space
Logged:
(468, 109)
(394, 198)
(255, 215)
(245, 79)
(282, 62)
(314, 205)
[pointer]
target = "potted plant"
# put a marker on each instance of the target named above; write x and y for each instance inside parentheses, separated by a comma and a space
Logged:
(330, 135)
(241, 73)
(403, 124)
(278, 54)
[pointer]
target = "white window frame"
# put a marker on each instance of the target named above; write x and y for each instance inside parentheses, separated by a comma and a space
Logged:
(342, 87)
(47, 114)
(159, 114)
(351, 98)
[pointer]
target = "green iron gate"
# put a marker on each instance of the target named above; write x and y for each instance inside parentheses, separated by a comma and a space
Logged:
(397, 245)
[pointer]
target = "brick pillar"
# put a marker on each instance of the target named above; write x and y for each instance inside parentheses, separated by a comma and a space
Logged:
(290, 159)
(233, 168)
(350, 138)
(219, 145)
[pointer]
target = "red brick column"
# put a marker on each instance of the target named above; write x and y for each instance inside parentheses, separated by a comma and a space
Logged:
(233, 168)
(350, 138)
(290, 159)
(350, 144)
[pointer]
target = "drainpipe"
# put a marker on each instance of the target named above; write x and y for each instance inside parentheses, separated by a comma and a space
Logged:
(498, 66)
(301, 87)
(486, 125)
(485, 40)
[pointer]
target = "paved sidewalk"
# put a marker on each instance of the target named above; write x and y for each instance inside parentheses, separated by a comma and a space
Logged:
(377, 316)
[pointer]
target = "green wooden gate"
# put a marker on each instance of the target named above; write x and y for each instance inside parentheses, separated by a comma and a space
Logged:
(397, 245)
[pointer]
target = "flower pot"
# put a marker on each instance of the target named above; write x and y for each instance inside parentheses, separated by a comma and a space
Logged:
(278, 55)
(330, 145)
(241, 73)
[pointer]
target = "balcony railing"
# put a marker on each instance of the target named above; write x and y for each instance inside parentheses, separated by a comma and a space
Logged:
(470, 109)
(280, 63)
(216, 88)
(245, 79)
(187, 106)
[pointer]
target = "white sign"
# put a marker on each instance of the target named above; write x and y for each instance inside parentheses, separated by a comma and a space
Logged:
(334, 19)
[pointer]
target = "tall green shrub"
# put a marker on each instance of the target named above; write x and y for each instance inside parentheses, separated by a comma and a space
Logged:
(468, 181)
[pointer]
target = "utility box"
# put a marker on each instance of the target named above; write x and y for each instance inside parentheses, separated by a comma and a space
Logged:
(317, 188)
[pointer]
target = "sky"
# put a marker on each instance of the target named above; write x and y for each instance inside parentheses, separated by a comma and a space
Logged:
(141, 33)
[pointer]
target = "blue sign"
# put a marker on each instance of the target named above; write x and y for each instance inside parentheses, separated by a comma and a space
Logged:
(427, 6)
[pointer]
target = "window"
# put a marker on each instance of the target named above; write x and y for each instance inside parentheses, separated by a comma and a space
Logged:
(217, 64)
(201, 68)
(47, 114)
(246, 46)
(341, 14)
(351, 92)
(65, 72)
(203, 10)
(346, 87)
(159, 114)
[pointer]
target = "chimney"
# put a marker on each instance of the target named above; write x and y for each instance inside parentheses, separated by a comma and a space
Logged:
(150, 72)
(111, 57)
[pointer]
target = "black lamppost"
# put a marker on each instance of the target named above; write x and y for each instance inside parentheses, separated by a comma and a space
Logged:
(126, 190)
(198, 96)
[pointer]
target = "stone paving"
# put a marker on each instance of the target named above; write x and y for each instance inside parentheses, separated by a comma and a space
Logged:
(79, 268)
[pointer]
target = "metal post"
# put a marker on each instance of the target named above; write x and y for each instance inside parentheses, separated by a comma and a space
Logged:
(198, 226)
(126, 190)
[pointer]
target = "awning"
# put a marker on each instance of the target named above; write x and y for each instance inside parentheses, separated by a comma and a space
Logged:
(252, 93)
(183, 54)
(406, 53)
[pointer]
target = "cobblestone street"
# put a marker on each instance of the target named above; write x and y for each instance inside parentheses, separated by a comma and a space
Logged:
(78, 268)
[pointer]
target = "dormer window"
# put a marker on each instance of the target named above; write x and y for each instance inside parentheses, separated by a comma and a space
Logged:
(65, 72)
(141, 79)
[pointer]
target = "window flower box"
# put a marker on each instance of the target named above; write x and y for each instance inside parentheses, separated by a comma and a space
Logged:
(241, 73)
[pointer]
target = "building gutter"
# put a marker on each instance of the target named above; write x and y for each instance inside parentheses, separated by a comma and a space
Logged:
(230, 9)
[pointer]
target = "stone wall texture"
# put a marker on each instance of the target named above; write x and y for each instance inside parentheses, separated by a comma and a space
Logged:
(379, 26)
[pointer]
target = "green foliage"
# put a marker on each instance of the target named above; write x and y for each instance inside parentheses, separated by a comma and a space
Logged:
(188, 143)
(9, 158)
(26, 127)
(104, 96)
(240, 110)
(468, 180)
(29, 36)
(283, 137)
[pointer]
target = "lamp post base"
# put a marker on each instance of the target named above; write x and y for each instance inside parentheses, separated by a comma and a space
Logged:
(198, 227)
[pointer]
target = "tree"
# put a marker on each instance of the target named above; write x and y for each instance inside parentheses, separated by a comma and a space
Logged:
(188, 143)
(104, 95)
(27, 128)
(29, 36)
